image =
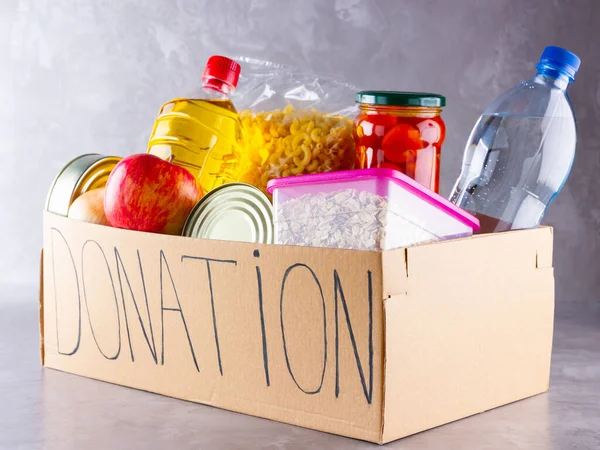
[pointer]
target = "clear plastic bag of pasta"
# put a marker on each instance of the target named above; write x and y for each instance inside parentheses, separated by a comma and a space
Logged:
(295, 123)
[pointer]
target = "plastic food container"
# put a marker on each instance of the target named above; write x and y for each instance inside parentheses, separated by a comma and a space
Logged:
(401, 131)
(368, 209)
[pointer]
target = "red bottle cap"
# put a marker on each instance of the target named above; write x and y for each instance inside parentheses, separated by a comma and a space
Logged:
(223, 69)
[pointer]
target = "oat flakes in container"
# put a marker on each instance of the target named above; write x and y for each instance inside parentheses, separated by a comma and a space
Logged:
(367, 209)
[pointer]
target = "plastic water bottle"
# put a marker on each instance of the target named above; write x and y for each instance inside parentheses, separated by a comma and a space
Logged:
(521, 150)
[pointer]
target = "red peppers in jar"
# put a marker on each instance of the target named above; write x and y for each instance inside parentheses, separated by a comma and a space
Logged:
(401, 131)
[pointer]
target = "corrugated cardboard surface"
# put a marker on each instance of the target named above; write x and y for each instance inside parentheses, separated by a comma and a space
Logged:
(289, 333)
(468, 329)
(299, 334)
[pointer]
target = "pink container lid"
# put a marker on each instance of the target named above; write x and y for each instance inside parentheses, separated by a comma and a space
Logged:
(395, 176)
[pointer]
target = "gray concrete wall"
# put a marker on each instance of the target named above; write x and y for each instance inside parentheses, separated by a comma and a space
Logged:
(88, 76)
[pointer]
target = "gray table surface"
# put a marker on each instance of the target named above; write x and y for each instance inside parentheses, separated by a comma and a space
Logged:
(46, 409)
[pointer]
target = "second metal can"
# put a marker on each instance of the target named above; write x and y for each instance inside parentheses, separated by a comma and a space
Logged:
(232, 212)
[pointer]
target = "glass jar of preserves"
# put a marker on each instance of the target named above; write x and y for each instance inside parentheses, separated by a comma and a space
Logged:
(402, 131)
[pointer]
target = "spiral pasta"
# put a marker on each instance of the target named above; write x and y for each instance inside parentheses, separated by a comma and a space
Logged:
(294, 142)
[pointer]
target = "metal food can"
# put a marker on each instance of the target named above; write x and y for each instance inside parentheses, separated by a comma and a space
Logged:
(232, 212)
(84, 173)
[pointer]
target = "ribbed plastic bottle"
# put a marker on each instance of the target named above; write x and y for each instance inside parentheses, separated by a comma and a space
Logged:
(521, 150)
(202, 132)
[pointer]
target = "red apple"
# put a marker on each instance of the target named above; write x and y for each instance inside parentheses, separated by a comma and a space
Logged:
(146, 193)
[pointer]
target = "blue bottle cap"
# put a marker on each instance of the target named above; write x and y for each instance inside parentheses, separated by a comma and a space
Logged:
(560, 59)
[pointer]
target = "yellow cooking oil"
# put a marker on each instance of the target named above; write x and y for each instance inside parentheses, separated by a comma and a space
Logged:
(204, 136)
(203, 132)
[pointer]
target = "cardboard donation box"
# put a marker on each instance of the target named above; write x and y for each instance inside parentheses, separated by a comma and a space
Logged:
(370, 345)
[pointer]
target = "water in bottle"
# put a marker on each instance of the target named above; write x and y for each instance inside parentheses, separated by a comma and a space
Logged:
(521, 150)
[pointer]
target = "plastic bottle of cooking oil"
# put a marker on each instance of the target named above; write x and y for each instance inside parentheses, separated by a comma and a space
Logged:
(202, 132)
